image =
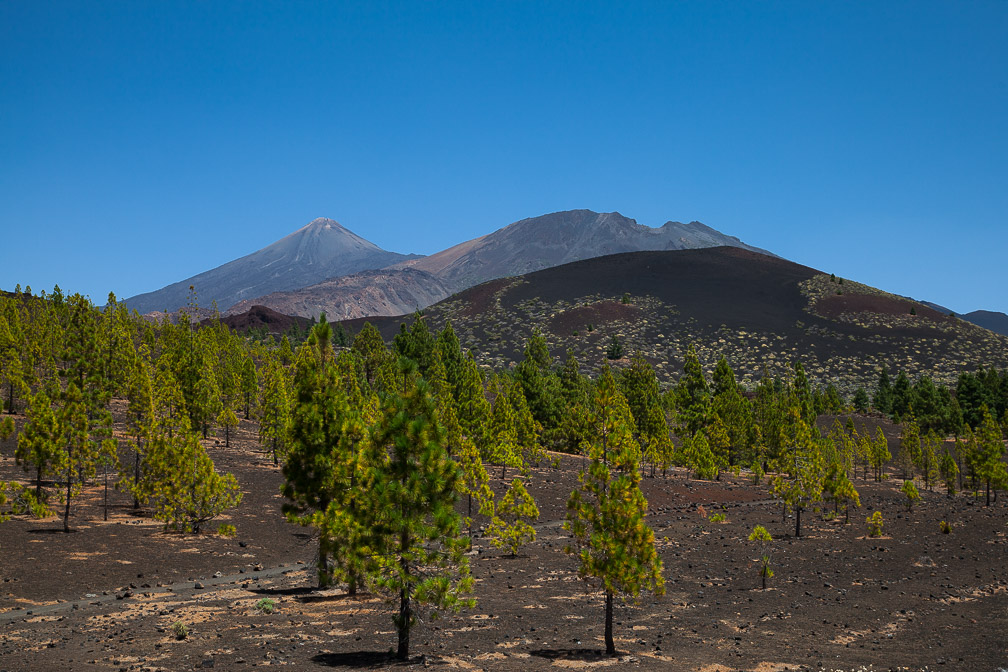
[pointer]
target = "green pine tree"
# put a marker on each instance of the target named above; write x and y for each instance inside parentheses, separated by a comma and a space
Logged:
(605, 514)
(414, 529)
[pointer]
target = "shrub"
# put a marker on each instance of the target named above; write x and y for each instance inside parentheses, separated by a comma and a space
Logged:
(180, 630)
(946, 526)
(615, 350)
(266, 606)
(718, 518)
(23, 501)
(874, 524)
(910, 490)
(626, 298)
(760, 534)
(226, 530)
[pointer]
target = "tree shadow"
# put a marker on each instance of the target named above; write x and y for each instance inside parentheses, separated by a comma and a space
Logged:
(366, 660)
(579, 655)
(303, 590)
(338, 597)
(51, 530)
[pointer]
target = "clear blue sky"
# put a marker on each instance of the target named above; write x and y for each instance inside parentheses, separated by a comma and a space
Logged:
(144, 142)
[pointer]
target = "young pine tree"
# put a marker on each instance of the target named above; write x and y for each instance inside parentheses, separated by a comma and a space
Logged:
(39, 442)
(605, 514)
(180, 481)
(511, 528)
(763, 538)
(413, 526)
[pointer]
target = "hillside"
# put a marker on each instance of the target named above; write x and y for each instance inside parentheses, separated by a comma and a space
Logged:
(368, 293)
(758, 311)
(317, 251)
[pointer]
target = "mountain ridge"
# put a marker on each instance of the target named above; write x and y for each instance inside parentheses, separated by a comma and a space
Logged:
(317, 251)
(528, 245)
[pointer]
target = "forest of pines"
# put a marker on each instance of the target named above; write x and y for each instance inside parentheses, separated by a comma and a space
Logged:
(385, 450)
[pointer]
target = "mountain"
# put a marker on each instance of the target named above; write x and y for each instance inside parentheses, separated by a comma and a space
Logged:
(757, 311)
(996, 322)
(364, 294)
(559, 238)
(317, 251)
(524, 246)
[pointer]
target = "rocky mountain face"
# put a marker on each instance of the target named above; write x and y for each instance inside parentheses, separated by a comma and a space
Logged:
(364, 294)
(559, 238)
(319, 250)
(325, 267)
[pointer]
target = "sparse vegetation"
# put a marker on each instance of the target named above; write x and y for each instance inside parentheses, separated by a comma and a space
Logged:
(875, 524)
(763, 539)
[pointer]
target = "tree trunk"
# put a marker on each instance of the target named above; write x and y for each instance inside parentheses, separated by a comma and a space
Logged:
(610, 646)
(106, 493)
(470, 515)
(797, 523)
(136, 477)
(227, 435)
(763, 575)
(38, 484)
(323, 563)
(66, 511)
(988, 492)
(405, 608)
(10, 398)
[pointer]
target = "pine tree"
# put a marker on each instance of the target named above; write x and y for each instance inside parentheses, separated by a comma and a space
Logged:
(11, 366)
(692, 395)
(39, 443)
(799, 481)
(228, 420)
(316, 427)
(989, 459)
(274, 409)
(474, 482)
(910, 447)
(763, 538)
(883, 393)
(415, 536)
(76, 459)
(605, 514)
(880, 453)
(182, 484)
(512, 525)
(949, 471)
(503, 447)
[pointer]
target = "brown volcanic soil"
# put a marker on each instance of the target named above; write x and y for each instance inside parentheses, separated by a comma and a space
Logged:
(105, 596)
(596, 314)
(257, 317)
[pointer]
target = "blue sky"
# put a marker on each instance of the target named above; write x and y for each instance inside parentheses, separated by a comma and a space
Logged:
(144, 142)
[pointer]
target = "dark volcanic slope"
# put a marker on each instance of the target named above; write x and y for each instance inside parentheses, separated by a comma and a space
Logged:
(322, 249)
(758, 311)
(263, 317)
(559, 238)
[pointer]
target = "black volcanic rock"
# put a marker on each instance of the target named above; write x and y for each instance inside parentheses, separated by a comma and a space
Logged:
(319, 250)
